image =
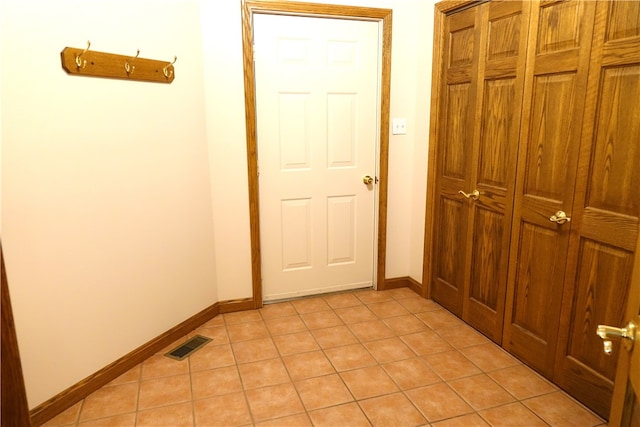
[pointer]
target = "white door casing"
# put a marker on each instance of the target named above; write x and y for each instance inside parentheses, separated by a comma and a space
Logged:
(317, 102)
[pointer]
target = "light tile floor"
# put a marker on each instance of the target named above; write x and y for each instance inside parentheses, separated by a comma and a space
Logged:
(359, 358)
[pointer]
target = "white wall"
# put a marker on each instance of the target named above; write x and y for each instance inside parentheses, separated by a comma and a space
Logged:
(125, 205)
(410, 92)
(106, 213)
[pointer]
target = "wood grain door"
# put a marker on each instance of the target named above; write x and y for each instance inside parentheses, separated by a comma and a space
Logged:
(625, 404)
(606, 209)
(559, 48)
(484, 75)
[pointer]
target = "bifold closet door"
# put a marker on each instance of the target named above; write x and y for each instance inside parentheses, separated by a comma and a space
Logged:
(554, 101)
(606, 209)
(482, 98)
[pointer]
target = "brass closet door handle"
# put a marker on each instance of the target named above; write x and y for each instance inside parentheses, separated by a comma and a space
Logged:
(560, 217)
(473, 195)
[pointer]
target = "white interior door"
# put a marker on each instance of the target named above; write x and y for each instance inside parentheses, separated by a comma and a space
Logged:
(317, 103)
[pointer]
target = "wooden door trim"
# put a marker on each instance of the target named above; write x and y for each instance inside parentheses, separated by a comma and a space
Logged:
(442, 9)
(15, 410)
(249, 8)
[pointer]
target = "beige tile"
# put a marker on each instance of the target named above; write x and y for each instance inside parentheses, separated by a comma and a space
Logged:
(438, 402)
(334, 337)
(407, 324)
(110, 401)
(263, 373)
(451, 365)
(322, 392)
(462, 337)
(386, 309)
(402, 293)
(368, 382)
(419, 304)
(216, 321)
(559, 409)
(299, 420)
(125, 420)
(215, 382)
(342, 300)
(513, 414)
(285, 325)
(470, 420)
(247, 331)
(348, 414)
(274, 402)
(254, 350)
(310, 305)
(158, 366)
(392, 410)
(522, 382)
(411, 373)
(371, 296)
(226, 410)
(321, 319)
(371, 330)
(440, 319)
(389, 350)
(281, 309)
(65, 418)
(175, 416)
(242, 317)
(300, 342)
(308, 365)
(164, 391)
(131, 376)
(427, 342)
(481, 392)
(211, 357)
(348, 357)
(489, 357)
(355, 314)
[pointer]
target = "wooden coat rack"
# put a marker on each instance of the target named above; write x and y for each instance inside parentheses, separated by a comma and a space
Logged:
(85, 62)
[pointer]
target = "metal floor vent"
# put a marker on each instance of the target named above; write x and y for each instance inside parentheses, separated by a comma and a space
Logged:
(185, 350)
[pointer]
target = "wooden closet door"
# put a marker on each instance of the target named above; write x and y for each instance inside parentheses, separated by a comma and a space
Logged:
(498, 106)
(455, 130)
(558, 55)
(606, 210)
(482, 98)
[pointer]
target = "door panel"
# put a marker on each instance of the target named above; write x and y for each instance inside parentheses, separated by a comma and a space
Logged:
(497, 118)
(317, 121)
(606, 208)
(552, 119)
(451, 214)
(625, 404)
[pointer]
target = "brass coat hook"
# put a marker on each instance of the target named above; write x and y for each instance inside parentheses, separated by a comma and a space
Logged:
(127, 65)
(79, 61)
(168, 73)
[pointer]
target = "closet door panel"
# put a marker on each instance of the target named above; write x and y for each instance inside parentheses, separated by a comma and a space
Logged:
(498, 109)
(455, 130)
(606, 209)
(550, 134)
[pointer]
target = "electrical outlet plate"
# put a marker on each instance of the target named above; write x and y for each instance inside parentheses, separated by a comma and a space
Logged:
(399, 126)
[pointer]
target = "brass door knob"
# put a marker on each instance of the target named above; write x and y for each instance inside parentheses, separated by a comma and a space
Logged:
(560, 217)
(367, 179)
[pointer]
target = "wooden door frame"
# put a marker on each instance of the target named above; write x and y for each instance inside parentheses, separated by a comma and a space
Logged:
(442, 9)
(15, 410)
(251, 7)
